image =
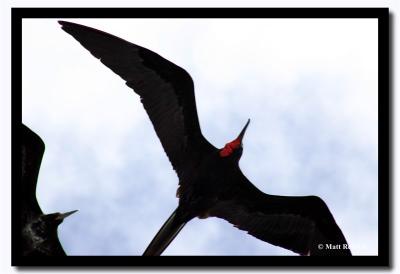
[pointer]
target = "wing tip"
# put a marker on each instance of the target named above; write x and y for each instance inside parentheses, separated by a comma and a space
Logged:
(67, 26)
(65, 23)
(68, 23)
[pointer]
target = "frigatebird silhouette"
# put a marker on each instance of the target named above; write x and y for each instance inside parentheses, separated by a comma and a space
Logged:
(211, 183)
(38, 231)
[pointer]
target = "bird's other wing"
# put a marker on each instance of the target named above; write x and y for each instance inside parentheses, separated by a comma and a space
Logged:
(32, 150)
(301, 224)
(166, 90)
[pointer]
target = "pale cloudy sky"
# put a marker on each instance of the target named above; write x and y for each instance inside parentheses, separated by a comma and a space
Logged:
(308, 85)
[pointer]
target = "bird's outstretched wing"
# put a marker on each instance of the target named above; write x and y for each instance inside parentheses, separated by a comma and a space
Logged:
(166, 90)
(32, 149)
(301, 224)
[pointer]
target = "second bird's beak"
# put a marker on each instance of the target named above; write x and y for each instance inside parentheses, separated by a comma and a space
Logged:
(240, 137)
(66, 214)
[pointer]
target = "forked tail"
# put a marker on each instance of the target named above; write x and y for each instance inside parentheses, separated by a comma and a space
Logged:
(165, 235)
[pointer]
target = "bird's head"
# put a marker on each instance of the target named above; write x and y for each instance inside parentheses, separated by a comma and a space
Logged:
(42, 229)
(234, 149)
(54, 219)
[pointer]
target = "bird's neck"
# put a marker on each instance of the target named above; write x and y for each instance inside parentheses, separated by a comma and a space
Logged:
(229, 148)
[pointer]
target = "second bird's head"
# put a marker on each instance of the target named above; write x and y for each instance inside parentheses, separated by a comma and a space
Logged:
(48, 223)
(233, 150)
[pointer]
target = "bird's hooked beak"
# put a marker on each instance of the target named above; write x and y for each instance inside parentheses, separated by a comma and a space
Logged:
(65, 215)
(240, 137)
(235, 144)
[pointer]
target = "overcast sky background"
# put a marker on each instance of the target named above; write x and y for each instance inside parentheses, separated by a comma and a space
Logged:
(308, 85)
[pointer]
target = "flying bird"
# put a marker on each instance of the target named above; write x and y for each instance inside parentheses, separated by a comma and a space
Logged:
(39, 231)
(211, 183)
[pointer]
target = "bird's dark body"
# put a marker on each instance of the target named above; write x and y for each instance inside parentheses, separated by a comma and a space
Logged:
(211, 183)
(212, 179)
(38, 231)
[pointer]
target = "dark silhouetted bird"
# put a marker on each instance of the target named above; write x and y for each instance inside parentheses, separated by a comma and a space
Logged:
(211, 183)
(39, 231)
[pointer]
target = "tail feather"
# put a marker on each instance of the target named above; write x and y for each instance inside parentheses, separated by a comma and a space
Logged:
(165, 235)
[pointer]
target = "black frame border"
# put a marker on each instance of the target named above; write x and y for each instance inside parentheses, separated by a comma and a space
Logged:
(384, 130)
